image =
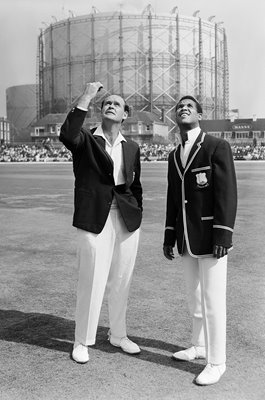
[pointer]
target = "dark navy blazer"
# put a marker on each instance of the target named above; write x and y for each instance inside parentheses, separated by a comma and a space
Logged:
(202, 197)
(94, 182)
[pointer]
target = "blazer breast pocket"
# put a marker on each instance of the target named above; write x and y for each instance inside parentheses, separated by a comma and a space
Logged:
(202, 176)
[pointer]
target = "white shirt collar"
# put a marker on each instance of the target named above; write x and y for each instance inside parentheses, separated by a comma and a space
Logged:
(99, 132)
(192, 134)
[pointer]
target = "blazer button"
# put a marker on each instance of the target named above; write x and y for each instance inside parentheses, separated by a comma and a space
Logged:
(186, 201)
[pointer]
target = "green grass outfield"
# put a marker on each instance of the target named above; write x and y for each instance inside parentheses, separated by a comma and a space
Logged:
(38, 283)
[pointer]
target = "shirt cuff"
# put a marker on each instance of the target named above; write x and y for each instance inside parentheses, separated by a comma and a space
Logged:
(81, 108)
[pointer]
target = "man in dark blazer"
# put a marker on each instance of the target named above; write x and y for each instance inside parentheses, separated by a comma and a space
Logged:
(107, 215)
(200, 217)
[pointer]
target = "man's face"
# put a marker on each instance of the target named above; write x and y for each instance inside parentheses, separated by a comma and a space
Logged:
(187, 114)
(113, 109)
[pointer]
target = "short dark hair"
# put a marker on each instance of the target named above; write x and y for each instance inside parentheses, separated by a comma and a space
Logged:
(198, 106)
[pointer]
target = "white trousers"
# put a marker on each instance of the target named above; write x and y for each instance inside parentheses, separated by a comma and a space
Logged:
(105, 261)
(206, 293)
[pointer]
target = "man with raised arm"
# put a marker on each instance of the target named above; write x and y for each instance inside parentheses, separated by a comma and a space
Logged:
(107, 215)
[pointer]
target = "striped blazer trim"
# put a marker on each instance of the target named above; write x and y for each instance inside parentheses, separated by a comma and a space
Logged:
(223, 227)
(201, 169)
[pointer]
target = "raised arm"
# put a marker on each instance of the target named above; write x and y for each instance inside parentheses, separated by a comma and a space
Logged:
(71, 135)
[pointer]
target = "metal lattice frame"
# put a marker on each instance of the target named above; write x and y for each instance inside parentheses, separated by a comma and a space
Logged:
(151, 60)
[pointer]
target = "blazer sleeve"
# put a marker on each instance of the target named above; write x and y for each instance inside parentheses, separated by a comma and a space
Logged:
(225, 195)
(71, 134)
(171, 207)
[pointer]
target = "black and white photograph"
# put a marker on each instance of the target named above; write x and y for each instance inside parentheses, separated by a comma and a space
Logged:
(132, 170)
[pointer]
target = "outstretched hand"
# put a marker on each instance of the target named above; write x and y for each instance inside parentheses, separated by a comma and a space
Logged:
(168, 252)
(92, 88)
(90, 91)
(219, 251)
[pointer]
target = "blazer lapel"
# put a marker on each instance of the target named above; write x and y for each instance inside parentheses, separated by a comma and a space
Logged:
(103, 158)
(100, 140)
(195, 149)
(127, 157)
(178, 162)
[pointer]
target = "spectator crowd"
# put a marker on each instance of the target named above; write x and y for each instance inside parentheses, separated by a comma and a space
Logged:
(44, 152)
(248, 152)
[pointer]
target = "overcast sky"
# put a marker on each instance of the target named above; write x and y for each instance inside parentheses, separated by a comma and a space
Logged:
(244, 22)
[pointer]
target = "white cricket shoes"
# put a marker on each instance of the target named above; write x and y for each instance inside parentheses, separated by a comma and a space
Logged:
(190, 354)
(211, 374)
(80, 353)
(127, 345)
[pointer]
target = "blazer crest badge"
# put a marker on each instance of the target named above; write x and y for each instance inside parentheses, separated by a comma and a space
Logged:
(201, 179)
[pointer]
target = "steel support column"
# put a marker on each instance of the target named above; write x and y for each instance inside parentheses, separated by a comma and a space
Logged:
(215, 71)
(121, 57)
(150, 59)
(177, 61)
(51, 109)
(40, 78)
(226, 80)
(200, 62)
(69, 83)
(93, 60)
